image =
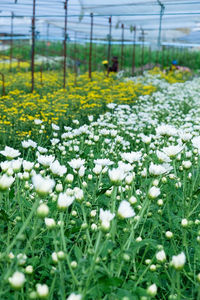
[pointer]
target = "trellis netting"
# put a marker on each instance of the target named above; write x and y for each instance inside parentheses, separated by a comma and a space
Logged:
(169, 20)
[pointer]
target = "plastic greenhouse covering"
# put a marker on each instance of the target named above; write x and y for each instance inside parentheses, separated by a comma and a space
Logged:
(177, 21)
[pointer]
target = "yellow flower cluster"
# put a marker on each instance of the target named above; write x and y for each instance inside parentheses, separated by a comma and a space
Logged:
(172, 75)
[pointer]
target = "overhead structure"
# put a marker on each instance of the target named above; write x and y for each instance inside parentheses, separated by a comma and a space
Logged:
(162, 20)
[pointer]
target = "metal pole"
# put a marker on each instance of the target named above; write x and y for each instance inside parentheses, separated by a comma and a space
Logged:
(90, 54)
(162, 61)
(33, 48)
(133, 61)
(109, 42)
(11, 41)
(75, 66)
(65, 43)
(162, 9)
(122, 48)
(142, 69)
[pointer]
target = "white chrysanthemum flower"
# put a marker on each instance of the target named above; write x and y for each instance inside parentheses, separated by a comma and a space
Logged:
(16, 164)
(178, 261)
(42, 291)
(17, 280)
(27, 165)
(5, 165)
(186, 164)
(29, 143)
(57, 169)
(103, 162)
(55, 127)
(64, 201)
(78, 194)
(43, 210)
(6, 182)
(116, 175)
(154, 192)
(167, 130)
(162, 156)
(74, 297)
(161, 256)
(97, 169)
(76, 163)
(159, 169)
(43, 186)
(45, 160)
(10, 153)
(105, 216)
(132, 156)
(172, 151)
(50, 223)
(125, 210)
(21, 259)
(196, 142)
(125, 167)
(38, 121)
(152, 290)
(42, 150)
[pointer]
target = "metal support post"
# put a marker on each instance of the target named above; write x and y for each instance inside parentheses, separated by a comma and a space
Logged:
(122, 48)
(65, 44)
(33, 48)
(109, 41)
(133, 60)
(90, 54)
(11, 41)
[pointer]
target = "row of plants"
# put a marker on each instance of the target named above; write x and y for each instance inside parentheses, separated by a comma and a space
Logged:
(108, 208)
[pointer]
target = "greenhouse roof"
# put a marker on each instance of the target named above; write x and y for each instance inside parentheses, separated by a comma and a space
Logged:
(179, 19)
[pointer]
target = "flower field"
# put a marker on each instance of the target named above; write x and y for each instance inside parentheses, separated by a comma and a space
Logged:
(99, 188)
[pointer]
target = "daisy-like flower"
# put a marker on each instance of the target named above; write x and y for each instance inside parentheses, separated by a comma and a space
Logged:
(131, 156)
(172, 151)
(17, 280)
(125, 210)
(116, 175)
(46, 160)
(159, 169)
(103, 162)
(154, 192)
(64, 201)
(178, 261)
(10, 153)
(57, 169)
(76, 163)
(105, 216)
(74, 297)
(6, 182)
(43, 186)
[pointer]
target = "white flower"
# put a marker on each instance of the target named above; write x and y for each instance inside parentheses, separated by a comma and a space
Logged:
(10, 153)
(97, 169)
(184, 222)
(76, 163)
(42, 150)
(42, 290)
(42, 210)
(38, 122)
(45, 160)
(161, 256)
(125, 210)
(57, 169)
(74, 297)
(167, 130)
(43, 186)
(27, 165)
(50, 223)
(64, 201)
(17, 280)
(178, 261)
(152, 290)
(132, 156)
(186, 164)
(154, 192)
(125, 167)
(103, 162)
(105, 216)
(69, 178)
(16, 164)
(116, 175)
(21, 259)
(159, 169)
(6, 182)
(78, 194)
(55, 127)
(29, 143)
(172, 151)
(162, 156)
